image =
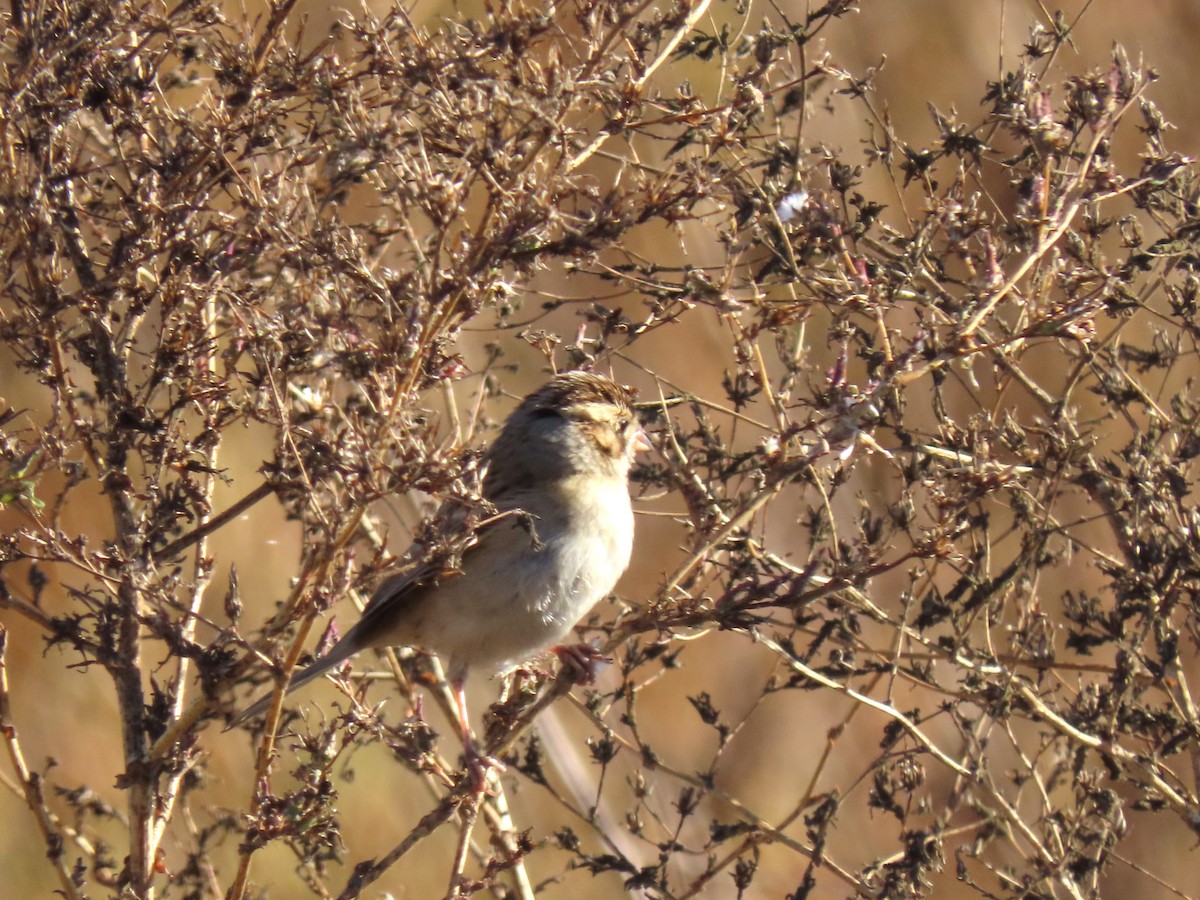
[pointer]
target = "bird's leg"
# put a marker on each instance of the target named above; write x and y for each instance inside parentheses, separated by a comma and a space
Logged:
(477, 762)
(582, 661)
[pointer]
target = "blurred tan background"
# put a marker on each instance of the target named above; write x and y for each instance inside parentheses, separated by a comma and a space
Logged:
(937, 51)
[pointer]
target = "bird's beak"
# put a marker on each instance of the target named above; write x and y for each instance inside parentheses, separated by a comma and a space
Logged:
(641, 443)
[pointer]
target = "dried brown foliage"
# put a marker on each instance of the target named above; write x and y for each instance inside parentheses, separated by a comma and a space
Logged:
(944, 499)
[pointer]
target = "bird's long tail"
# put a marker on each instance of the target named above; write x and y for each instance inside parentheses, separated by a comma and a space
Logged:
(340, 653)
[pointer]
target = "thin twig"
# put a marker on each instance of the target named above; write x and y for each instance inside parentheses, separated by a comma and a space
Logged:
(214, 524)
(31, 784)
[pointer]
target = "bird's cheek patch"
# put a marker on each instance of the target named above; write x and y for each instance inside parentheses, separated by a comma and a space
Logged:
(607, 440)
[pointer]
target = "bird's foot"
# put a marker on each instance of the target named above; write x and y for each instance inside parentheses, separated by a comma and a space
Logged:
(478, 765)
(581, 661)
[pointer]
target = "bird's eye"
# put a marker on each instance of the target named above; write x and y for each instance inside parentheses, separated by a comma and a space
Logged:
(622, 424)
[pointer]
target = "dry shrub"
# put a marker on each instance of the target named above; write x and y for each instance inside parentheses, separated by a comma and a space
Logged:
(933, 611)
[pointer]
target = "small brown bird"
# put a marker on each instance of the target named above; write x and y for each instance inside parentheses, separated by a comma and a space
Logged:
(562, 460)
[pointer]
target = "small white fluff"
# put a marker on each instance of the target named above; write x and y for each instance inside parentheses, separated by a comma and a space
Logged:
(789, 207)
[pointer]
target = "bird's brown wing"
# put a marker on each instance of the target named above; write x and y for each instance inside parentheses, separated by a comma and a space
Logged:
(395, 595)
(433, 567)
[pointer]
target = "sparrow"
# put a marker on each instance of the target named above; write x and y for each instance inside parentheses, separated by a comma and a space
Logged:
(557, 476)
